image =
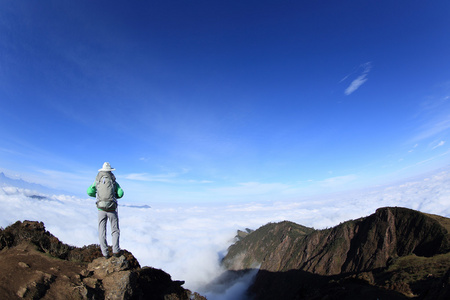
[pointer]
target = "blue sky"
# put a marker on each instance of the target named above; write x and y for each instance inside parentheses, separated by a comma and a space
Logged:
(224, 100)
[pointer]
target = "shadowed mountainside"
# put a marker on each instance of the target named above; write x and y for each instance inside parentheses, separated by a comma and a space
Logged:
(395, 252)
(36, 265)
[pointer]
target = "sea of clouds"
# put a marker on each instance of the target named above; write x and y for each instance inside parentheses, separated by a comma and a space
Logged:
(188, 241)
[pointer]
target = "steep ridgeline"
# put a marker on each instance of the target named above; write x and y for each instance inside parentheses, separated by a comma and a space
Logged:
(296, 261)
(34, 264)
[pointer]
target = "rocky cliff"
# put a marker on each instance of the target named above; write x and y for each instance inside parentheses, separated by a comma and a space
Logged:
(36, 265)
(396, 252)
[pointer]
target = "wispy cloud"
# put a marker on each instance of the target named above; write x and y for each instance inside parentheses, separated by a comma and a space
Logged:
(10, 151)
(441, 143)
(151, 178)
(413, 148)
(267, 190)
(433, 128)
(360, 80)
(251, 188)
(338, 180)
(171, 177)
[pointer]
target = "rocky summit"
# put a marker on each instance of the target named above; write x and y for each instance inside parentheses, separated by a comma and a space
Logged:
(36, 265)
(395, 253)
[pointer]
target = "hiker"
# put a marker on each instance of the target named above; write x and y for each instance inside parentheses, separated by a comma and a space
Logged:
(107, 191)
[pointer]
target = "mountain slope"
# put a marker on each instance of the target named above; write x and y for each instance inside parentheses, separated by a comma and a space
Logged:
(355, 249)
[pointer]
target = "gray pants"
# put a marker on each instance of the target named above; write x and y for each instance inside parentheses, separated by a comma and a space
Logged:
(113, 217)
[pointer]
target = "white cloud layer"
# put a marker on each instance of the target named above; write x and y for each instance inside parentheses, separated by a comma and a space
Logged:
(188, 241)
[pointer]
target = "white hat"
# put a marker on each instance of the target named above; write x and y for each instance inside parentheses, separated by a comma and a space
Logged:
(106, 167)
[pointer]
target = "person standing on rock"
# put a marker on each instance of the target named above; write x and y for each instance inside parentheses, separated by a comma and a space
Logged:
(107, 191)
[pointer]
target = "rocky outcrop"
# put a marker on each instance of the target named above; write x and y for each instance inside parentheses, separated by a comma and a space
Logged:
(251, 250)
(353, 246)
(292, 255)
(36, 265)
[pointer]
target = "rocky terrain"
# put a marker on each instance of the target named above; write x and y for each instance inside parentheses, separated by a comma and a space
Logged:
(396, 253)
(36, 265)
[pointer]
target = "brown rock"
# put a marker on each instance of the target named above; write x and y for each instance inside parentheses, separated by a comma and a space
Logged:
(36, 265)
(120, 285)
(37, 286)
(101, 267)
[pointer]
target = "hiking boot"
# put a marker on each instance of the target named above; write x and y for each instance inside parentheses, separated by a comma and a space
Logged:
(117, 254)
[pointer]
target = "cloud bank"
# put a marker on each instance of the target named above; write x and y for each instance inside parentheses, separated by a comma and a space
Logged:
(188, 241)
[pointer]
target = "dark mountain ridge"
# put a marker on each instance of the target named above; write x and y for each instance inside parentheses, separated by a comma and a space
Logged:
(378, 251)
